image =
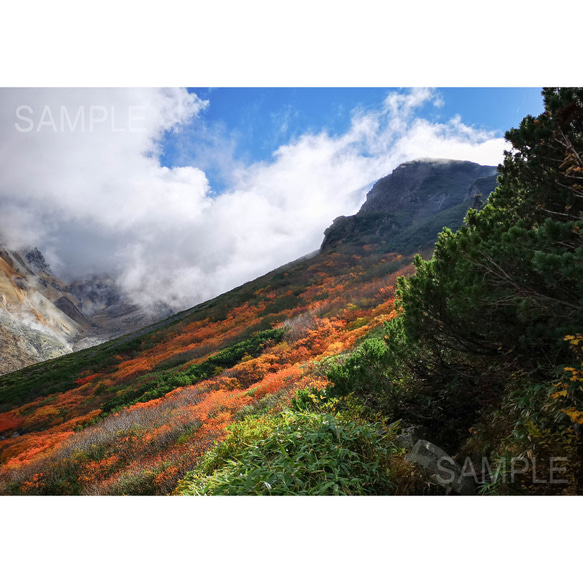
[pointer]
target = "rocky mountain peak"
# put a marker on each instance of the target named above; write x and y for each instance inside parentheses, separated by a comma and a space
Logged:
(405, 210)
(36, 261)
(42, 317)
(424, 186)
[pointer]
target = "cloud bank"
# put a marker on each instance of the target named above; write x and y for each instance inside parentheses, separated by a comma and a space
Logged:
(81, 178)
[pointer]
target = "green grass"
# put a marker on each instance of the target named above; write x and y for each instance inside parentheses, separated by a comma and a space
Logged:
(298, 452)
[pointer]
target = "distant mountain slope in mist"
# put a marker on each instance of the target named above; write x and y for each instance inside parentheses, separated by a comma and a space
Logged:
(42, 318)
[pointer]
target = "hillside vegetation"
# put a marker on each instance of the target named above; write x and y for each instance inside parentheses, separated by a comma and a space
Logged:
(484, 358)
(311, 379)
(132, 416)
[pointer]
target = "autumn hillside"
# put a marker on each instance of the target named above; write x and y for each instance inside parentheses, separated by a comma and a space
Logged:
(133, 415)
(359, 370)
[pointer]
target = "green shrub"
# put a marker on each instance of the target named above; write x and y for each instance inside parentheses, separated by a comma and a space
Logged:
(297, 453)
(368, 373)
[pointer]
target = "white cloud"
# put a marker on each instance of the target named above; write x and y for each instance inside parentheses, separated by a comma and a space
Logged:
(100, 200)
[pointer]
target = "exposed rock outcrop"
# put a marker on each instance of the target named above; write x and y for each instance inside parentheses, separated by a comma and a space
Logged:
(41, 317)
(424, 187)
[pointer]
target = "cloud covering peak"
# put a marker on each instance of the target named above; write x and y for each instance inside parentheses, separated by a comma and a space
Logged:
(81, 178)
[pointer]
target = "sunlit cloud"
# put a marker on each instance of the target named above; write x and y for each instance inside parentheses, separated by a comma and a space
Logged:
(101, 201)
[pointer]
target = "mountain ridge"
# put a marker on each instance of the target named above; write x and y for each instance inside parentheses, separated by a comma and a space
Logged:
(406, 209)
(403, 213)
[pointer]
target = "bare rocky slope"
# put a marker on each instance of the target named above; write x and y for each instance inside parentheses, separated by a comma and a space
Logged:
(42, 318)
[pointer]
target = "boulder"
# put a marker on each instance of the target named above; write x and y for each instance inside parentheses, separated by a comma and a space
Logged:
(439, 468)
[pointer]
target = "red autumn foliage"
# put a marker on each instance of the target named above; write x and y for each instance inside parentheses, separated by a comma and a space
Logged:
(85, 380)
(163, 438)
(9, 421)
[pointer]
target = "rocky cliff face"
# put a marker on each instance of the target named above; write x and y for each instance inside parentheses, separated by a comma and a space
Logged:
(405, 210)
(424, 187)
(32, 326)
(41, 317)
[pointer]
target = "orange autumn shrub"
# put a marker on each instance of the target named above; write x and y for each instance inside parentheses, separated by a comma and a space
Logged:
(95, 471)
(28, 447)
(274, 382)
(79, 421)
(252, 370)
(9, 421)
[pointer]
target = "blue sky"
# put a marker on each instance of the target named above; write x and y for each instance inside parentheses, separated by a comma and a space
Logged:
(249, 124)
(221, 185)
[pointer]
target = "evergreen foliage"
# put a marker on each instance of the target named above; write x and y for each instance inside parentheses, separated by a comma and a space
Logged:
(512, 279)
(491, 323)
(314, 448)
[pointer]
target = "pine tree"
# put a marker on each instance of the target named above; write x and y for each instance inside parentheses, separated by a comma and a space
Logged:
(511, 279)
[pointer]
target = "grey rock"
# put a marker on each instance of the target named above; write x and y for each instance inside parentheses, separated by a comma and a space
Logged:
(424, 186)
(36, 261)
(439, 468)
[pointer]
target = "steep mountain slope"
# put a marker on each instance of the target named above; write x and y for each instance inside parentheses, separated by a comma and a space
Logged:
(169, 393)
(424, 187)
(41, 317)
(405, 210)
(133, 415)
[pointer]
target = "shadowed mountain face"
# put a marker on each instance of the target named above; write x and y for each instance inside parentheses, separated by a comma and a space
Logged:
(405, 210)
(424, 187)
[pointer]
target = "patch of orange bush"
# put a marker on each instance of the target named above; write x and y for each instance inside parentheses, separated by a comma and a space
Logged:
(9, 420)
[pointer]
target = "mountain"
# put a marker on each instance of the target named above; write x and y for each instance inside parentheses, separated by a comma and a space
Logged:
(102, 300)
(312, 380)
(405, 210)
(424, 187)
(135, 414)
(41, 317)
